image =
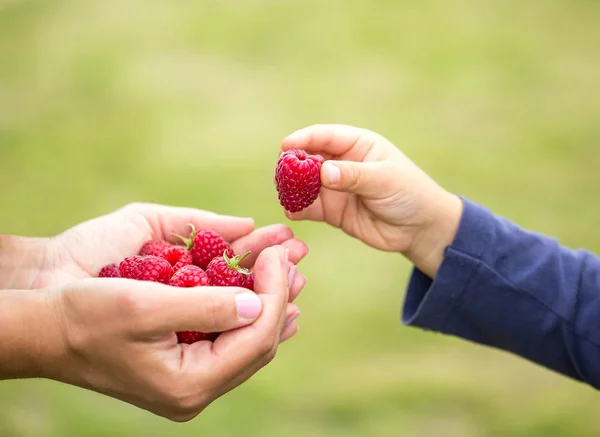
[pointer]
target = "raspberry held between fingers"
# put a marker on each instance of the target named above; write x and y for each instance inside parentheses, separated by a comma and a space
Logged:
(298, 179)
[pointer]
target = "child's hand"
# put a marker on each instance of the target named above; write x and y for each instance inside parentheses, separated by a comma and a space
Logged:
(373, 192)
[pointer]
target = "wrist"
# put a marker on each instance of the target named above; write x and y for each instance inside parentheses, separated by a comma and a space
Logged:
(21, 261)
(31, 344)
(427, 249)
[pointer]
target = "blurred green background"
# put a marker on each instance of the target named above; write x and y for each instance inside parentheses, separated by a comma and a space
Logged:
(185, 103)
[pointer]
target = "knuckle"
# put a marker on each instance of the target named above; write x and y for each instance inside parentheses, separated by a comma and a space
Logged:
(179, 399)
(214, 310)
(355, 177)
(271, 355)
(268, 348)
(129, 305)
(264, 348)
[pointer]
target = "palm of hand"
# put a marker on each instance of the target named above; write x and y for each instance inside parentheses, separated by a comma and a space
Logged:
(84, 249)
(377, 222)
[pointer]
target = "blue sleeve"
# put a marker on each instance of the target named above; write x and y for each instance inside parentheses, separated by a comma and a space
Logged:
(519, 291)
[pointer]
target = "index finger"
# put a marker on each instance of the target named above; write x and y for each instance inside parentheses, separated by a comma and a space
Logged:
(336, 140)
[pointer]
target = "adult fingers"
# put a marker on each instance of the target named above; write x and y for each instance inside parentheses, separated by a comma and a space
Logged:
(166, 220)
(159, 309)
(255, 345)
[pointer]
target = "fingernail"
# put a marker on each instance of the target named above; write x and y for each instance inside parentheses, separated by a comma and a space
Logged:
(293, 317)
(248, 305)
(292, 275)
(332, 172)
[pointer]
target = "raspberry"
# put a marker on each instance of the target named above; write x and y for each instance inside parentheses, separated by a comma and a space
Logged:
(204, 245)
(248, 281)
(177, 256)
(298, 179)
(186, 277)
(189, 276)
(190, 337)
(146, 268)
(109, 271)
(154, 247)
(224, 271)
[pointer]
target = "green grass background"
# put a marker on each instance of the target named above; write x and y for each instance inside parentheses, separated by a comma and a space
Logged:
(185, 103)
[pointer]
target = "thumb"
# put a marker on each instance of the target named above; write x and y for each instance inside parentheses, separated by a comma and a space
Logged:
(241, 346)
(204, 309)
(366, 179)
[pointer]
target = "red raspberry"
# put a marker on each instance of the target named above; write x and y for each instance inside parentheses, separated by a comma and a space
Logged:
(177, 256)
(204, 245)
(248, 281)
(154, 247)
(190, 276)
(146, 268)
(298, 179)
(224, 271)
(190, 337)
(186, 277)
(109, 271)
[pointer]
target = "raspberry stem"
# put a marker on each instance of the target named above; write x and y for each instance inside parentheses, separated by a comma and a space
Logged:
(234, 262)
(189, 242)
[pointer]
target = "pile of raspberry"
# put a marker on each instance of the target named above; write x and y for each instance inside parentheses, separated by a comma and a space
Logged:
(205, 260)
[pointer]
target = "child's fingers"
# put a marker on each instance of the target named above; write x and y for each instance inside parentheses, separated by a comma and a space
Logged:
(364, 179)
(313, 213)
(341, 141)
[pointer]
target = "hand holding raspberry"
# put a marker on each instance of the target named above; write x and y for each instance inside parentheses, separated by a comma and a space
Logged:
(375, 193)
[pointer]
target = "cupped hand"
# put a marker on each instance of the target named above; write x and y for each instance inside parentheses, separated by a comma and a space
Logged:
(117, 336)
(83, 250)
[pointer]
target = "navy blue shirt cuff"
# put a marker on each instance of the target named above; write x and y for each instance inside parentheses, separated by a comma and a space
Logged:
(502, 286)
(428, 303)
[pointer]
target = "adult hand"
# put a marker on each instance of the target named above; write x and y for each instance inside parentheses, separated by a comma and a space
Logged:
(116, 336)
(83, 250)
